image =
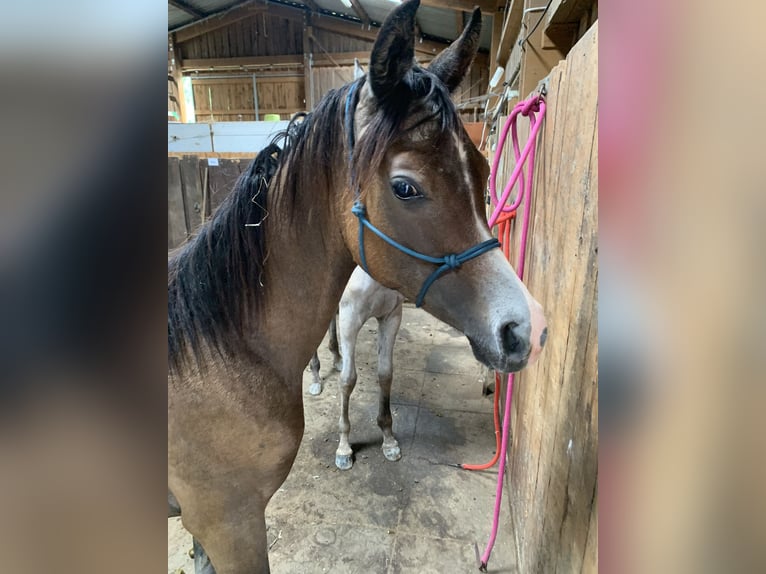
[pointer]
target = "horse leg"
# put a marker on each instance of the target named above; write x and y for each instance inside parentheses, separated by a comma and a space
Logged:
(337, 359)
(388, 327)
(350, 323)
(225, 477)
(202, 563)
(235, 539)
(173, 507)
(316, 385)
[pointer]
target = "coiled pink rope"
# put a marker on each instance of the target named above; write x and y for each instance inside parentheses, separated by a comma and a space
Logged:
(534, 109)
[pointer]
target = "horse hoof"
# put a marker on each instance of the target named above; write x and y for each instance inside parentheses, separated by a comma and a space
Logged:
(344, 461)
(315, 389)
(392, 453)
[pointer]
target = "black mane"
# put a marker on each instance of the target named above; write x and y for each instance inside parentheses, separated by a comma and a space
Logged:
(208, 279)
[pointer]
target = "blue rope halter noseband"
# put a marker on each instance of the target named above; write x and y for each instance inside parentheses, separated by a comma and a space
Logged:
(446, 263)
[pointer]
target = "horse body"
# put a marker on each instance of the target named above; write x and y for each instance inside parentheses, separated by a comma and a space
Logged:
(245, 413)
(245, 315)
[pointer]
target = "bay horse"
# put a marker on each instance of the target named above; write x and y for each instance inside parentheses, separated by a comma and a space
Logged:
(362, 299)
(381, 174)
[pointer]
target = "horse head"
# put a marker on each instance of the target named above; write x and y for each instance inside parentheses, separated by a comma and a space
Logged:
(418, 182)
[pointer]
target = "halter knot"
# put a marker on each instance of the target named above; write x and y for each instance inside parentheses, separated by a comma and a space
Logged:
(452, 261)
(358, 209)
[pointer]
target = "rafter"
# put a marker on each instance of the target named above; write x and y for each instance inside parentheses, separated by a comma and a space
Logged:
(295, 60)
(191, 64)
(216, 21)
(313, 6)
(361, 12)
(185, 7)
(354, 31)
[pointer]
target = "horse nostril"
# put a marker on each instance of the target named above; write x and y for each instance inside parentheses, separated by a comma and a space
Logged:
(509, 338)
(543, 337)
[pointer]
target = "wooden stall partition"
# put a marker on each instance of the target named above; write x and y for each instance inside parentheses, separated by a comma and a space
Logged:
(554, 452)
(196, 187)
(177, 230)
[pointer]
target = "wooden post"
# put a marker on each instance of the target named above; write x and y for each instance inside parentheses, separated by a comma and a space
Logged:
(554, 455)
(494, 64)
(308, 83)
(174, 70)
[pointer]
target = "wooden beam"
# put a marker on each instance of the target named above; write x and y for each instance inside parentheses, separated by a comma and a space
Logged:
(568, 11)
(361, 12)
(320, 59)
(356, 31)
(247, 111)
(220, 20)
(246, 79)
(511, 28)
(184, 7)
(497, 30)
(487, 6)
(564, 21)
(297, 60)
(313, 6)
(174, 70)
(244, 62)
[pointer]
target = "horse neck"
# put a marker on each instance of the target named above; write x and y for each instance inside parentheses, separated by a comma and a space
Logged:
(306, 270)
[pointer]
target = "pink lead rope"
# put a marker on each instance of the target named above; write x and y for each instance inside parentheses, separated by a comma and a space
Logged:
(528, 108)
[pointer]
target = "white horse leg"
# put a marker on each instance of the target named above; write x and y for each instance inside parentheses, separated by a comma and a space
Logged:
(336, 358)
(349, 323)
(388, 327)
(316, 385)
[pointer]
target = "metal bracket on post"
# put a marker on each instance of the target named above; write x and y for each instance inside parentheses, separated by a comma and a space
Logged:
(543, 85)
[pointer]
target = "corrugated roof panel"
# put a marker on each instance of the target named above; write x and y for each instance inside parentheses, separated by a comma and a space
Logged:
(177, 17)
(335, 6)
(212, 6)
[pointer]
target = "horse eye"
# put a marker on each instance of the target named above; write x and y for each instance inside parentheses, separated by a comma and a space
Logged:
(404, 189)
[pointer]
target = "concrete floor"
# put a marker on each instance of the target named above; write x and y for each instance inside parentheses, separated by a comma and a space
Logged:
(413, 516)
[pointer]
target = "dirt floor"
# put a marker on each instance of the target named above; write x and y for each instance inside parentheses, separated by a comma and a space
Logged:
(413, 516)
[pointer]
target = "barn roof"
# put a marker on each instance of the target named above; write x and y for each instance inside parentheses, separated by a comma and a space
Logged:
(438, 20)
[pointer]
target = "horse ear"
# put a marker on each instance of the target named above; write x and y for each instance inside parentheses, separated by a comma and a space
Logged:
(452, 64)
(394, 50)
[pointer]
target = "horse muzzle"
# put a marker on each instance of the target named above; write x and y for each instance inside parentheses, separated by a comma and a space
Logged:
(514, 335)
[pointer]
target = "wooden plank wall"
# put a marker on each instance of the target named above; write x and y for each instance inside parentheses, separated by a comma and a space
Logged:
(554, 453)
(196, 187)
(282, 87)
(262, 34)
(227, 99)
